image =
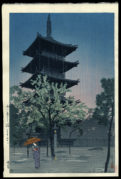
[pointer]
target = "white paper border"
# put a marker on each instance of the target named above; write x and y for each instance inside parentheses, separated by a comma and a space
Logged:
(53, 8)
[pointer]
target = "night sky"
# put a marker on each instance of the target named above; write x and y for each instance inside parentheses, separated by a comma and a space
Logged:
(92, 32)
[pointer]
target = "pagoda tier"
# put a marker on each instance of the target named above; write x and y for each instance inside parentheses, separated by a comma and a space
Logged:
(38, 63)
(48, 44)
(50, 78)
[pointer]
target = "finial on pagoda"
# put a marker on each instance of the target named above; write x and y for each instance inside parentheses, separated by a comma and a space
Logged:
(49, 26)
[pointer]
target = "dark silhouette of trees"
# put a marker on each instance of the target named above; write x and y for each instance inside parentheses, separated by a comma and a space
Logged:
(104, 111)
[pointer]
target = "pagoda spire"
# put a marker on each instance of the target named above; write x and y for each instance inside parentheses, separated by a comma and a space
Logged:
(49, 26)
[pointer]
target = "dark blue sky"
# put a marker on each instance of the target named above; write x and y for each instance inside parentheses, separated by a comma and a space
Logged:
(92, 32)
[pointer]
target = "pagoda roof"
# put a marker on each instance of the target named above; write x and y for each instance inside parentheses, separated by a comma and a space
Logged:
(36, 65)
(69, 82)
(50, 45)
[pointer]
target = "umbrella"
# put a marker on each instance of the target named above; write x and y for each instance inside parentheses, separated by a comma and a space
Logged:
(32, 140)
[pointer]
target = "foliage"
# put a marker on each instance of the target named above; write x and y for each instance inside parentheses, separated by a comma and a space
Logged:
(44, 104)
(104, 102)
(18, 116)
(47, 99)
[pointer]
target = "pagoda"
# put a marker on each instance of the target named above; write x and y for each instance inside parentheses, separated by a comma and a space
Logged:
(48, 58)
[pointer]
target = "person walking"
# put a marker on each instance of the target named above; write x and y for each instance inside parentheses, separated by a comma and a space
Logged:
(36, 155)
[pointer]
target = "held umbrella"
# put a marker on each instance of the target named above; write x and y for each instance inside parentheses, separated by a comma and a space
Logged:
(31, 140)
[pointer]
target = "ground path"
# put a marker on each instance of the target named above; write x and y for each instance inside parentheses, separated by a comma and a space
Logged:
(81, 160)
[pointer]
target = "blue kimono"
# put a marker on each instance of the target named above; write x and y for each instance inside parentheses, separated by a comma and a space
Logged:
(36, 156)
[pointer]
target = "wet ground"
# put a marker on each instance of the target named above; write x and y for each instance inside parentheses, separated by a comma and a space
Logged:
(81, 160)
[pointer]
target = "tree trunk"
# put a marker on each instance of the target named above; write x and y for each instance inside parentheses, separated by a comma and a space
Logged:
(109, 141)
(27, 151)
(52, 144)
(52, 147)
(70, 141)
(51, 137)
(47, 147)
(14, 151)
(69, 148)
(28, 138)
